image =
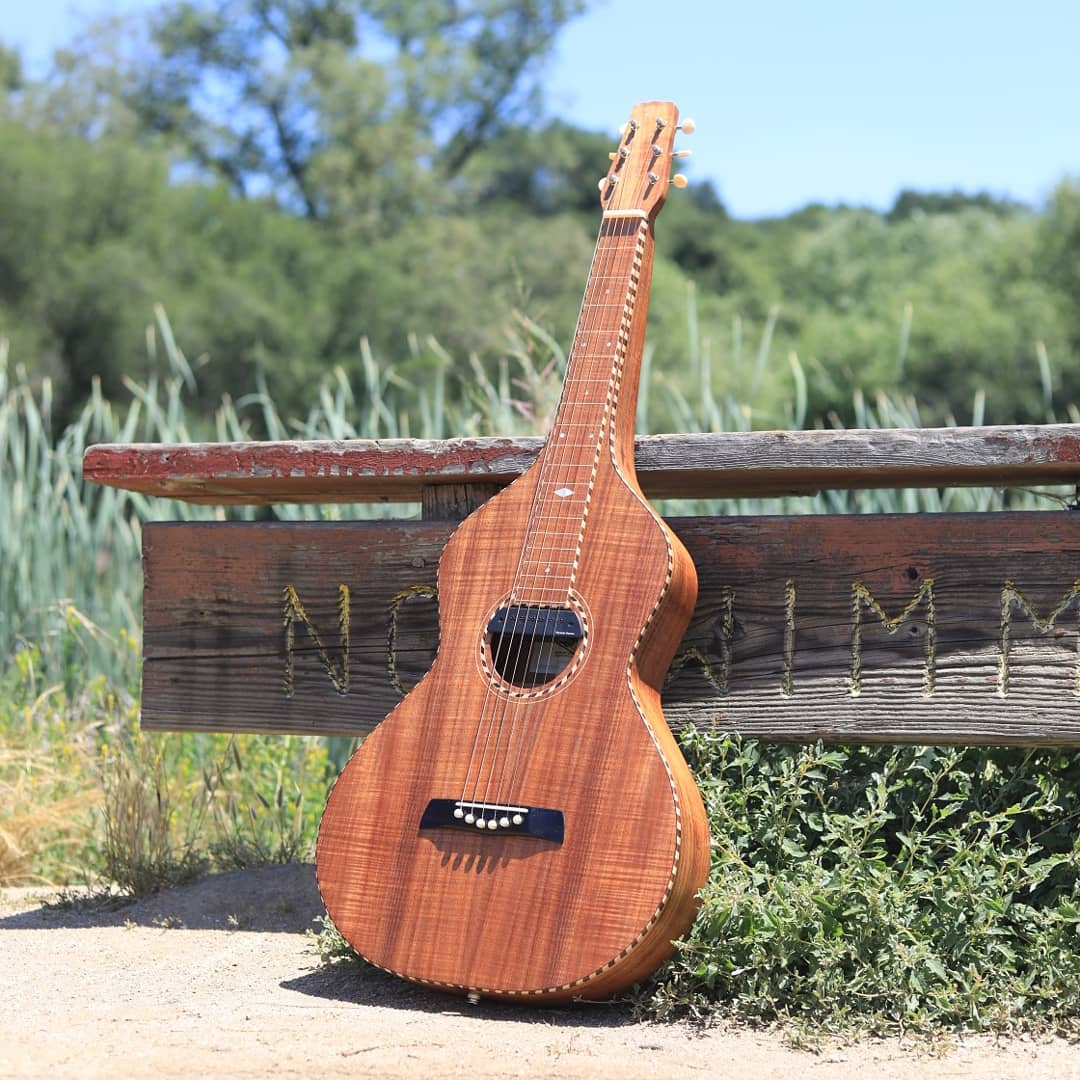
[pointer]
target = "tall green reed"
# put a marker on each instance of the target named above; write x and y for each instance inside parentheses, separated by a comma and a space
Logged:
(69, 551)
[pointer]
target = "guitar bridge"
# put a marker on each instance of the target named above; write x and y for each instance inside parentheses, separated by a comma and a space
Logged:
(503, 819)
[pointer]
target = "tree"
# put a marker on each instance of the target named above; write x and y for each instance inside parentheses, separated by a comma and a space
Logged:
(908, 203)
(359, 112)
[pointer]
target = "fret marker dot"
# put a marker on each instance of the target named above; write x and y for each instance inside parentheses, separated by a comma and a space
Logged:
(564, 491)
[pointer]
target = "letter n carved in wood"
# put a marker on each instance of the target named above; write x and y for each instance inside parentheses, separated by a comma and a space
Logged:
(294, 613)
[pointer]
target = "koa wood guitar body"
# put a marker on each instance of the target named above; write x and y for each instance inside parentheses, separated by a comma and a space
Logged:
(523, 824)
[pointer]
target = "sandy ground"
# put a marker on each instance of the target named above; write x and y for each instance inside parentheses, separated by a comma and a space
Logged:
(218, 979)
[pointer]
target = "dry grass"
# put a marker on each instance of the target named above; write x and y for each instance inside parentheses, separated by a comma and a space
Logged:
(47, 805)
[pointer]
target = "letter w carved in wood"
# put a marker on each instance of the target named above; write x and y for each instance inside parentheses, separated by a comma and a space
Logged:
(294, 613)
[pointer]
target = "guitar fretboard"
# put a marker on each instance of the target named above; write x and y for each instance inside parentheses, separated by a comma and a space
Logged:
(584, 420)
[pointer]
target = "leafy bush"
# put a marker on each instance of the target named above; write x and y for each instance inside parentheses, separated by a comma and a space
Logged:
(887, 888)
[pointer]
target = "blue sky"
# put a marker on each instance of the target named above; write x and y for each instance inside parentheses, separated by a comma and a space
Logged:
(830, 101)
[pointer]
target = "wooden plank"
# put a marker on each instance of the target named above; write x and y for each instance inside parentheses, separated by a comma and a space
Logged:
(893, 628)
(670, 466)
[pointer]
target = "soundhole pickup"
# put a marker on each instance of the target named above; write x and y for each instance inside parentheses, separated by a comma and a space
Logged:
(494, 818)
(532, 644)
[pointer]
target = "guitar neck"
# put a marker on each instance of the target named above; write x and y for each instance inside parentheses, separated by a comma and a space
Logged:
(595, 416)
(599, 397)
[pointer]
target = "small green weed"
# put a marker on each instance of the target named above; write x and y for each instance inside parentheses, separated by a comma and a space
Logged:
(178, 805)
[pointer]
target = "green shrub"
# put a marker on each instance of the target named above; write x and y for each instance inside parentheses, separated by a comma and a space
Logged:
(885, 888)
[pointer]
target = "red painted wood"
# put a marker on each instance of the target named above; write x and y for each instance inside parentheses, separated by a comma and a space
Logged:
(705, 465)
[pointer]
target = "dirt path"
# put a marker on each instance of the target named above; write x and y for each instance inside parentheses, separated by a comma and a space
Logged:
(217, 979)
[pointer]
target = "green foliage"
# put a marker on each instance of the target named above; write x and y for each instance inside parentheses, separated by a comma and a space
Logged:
(908, 203)
(884, 889)
(353, 111)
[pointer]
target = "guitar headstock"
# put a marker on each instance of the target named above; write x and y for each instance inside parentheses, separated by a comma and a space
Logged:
(640, 170)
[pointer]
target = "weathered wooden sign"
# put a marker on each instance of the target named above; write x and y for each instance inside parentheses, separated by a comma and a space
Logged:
(921, 628)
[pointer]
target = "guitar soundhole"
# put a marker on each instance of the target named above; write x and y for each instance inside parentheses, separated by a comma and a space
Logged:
(531, 644)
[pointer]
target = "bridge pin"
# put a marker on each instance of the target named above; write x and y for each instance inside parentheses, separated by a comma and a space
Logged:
(518, 819)
(492, 824)
(469, 819)
(481, 823)
(504, 822)
(459, 813)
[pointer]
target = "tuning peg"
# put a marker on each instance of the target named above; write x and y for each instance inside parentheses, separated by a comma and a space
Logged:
(630, 125)
(687, 127)
(622, 152)
(683, 153)
(679, 180)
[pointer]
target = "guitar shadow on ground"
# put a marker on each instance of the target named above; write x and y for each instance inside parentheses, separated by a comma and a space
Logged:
(358, 983)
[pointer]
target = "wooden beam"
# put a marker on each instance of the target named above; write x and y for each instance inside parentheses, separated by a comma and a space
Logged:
(707, 465)
(921, 628)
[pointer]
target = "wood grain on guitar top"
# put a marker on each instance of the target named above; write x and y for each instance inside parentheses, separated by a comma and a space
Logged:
(507, 914)
(569, 730)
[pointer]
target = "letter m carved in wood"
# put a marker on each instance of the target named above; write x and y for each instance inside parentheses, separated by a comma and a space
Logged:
(1012, 597)
(862, 597)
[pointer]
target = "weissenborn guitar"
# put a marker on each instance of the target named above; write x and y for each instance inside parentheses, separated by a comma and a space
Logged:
(523, 825)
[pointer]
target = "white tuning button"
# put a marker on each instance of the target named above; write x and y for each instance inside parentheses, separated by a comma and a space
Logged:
(679, 180)
(687, 127)
(683, 153)
(602, 182)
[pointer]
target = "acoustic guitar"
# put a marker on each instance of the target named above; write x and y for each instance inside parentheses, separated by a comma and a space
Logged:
(523, 824)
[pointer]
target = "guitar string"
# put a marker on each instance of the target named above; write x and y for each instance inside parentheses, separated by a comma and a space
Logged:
(541, 504)
(548, 514)
(535, 538)
(626, 260)
(629, 276)
(490, 694)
